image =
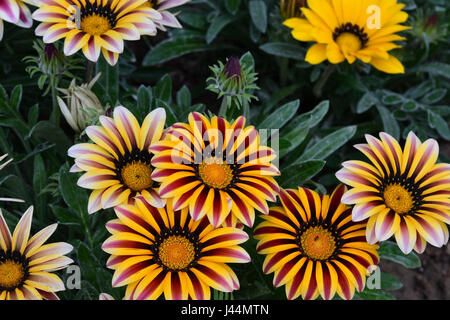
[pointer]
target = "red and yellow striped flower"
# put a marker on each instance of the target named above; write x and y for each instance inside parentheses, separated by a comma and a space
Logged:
(117, 164)
(16, 12)
(95, 25)
(26, 263)
(347, 30)
(401, 193)
(155, 251)
(313, 246)
(216, 169)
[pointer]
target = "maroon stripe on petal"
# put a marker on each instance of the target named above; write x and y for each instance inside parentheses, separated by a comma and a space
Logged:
(227, 252)
(272, 229)
(212, 274)
(285, 270)
(242, 207)
(199, 203)
(287, 202)
(154, 212)
(197, 286)
(128, 244)
(116, 260)
(175, 185)
(144, 224)
(152, 286)
(217, 207)
(354, 271)
(224, 237)
(75, 40)
(344, 284)
(184, 197)
(335, 199)
(261, 188)
(132, 270)
(276, 258)
(175, 286)
(252, 197)
(326, 281)
(273, 243)
(312, 284)
(282, 217)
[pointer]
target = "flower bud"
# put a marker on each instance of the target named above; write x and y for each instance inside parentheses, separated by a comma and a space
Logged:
(82, 107)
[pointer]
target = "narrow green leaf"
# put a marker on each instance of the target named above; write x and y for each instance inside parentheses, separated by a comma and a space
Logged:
(297, 174)
(282, 49)
(325, 147)
(390, 124)
(217, 25)
(258, 13)
(232, 6)
(367, 101)
(437, 122)
(281, 116)
(74, 196)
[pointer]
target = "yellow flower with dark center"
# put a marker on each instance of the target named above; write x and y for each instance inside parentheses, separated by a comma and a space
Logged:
(155, 251)
(118, 164)
(216, 169)
(401, 193)
(346, 30)
(26, 263)
(95, 25)
(313, 247)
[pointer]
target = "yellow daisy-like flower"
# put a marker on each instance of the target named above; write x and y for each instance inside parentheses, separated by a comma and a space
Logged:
(118, 164)
(314, 247)
(401, 193)
(216, 169)
(350, 30)
(95, 25)
(26, 263)
(155, 251)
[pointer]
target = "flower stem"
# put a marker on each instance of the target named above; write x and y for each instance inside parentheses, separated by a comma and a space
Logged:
(223, 107)
(323, 80)
(56, 113)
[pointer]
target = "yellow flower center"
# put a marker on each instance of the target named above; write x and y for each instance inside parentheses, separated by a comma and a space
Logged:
(137, 175)
(95, 24)
(398, 198)
(318, 243)
(11, 273)
(215, 173)
(349, 42)
(176, 252)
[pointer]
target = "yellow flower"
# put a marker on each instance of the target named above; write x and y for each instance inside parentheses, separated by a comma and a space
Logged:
(26, 263)
(402, 193)
(346, 30)
(92, 25)
(216, 169)
(313, 246)
(155, 251)
(117, 164)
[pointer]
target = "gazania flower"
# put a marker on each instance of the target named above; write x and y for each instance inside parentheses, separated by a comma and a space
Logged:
(117, 164)
(314, 247)
(168, 19)
(401, 193)
(215, 168)
(16, 12)
(26, 263)
(94, 25)
(155, 251)
(350, 30)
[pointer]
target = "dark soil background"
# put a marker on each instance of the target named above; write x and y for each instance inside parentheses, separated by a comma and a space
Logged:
(432, 280)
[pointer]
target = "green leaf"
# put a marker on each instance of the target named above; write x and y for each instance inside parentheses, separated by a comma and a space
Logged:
(325, 147)
(410, 106)
(163, 89)
(297, 174)
(435, 68)
(391, 98)
(16, 97)
(184, 98)
(311, 118)
(282, 49)
(217, 25)
(232, 6)
(390, 124)
(374, 295)
(74, 196)
(434, 96)
(437, 122)
(174, 48)
(144, 100)
(108, 81)
(64, 215)
(39, 174)
(292, 140)
(281, 116)
(367, 101)
(389, 282)
(50, 132)
(390, 251)
(258, 13)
